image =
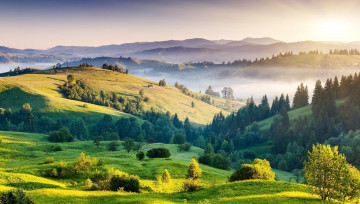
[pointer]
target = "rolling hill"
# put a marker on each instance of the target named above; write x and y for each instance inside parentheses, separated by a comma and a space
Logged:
(42, 92)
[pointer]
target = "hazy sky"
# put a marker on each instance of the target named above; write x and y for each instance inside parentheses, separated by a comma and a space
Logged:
(47, 23)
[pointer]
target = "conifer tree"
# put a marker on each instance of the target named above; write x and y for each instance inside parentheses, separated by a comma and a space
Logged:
(208, 149)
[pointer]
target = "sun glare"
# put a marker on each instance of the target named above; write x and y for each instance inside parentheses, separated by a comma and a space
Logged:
(333, 30)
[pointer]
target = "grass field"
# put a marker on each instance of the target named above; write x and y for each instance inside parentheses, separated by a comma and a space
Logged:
(314, 61)
(23, 154)
(42, 92)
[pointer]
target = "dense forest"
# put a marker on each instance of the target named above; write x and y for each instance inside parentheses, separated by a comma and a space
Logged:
(330, 124)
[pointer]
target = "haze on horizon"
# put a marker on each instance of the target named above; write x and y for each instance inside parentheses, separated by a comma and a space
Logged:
(42, 24)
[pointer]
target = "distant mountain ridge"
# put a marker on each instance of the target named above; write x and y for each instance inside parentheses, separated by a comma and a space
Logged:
(180, 51)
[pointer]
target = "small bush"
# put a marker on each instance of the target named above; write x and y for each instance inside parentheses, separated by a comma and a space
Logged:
(100, 162)
(178, 139)
(85, 105)
(61, 135)
(191, 184)
(165, 178)
(56, 148)
(90, 186)
(205, 159)
(84, 163)
(113, 146)
(260, 169)
(15, 197)
(127, 183)
(184, 147)
(60, 170)
(158, 153)
(194, 171)
(49, 160)
(140, 155)
(146, 99)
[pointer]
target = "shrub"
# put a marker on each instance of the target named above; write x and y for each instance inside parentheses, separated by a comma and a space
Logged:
(165, 178)
(90, 186)
(160, 152)
(84, 163)
(16, 196)
(60, 170)
(162, 82)
(194, 171)
(178, 139)
(191, 184)
(220, 162)
(56, 148)
(61, 135)
(140, 155)
(129, 144)
(260, 169)
(49, 160)
(128, 183)
(184, 147)
(97, 140)
(113, 146)
(205, 159)
(85, 105)
(146, 99)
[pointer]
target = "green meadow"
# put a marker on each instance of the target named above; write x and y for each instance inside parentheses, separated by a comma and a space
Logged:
(23, 155)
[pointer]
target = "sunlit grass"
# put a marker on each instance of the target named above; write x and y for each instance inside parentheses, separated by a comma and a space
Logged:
(22, 167)
(42, 92)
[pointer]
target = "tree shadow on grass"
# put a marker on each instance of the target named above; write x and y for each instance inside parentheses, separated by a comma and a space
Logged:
(15, 97)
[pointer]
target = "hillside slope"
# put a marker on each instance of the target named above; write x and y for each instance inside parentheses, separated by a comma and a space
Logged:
(42, 92)
(24, 153)
(312, 61)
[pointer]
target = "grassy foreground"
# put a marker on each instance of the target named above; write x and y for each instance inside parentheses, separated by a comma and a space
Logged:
(23, 154)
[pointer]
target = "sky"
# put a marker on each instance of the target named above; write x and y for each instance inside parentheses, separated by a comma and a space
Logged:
(41, 24)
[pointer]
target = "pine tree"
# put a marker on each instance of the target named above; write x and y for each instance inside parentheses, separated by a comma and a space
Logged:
(176, 122)
(301, 97)
(317, 98)
(264, 108)
(329, 98)
(208, 149)
(336, 87)
(187, 128)
(287, 101)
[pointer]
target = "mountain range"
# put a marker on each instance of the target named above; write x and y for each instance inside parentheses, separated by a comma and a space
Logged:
(174, 51)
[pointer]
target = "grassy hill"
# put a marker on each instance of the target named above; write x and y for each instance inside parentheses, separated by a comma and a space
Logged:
(313, 61)
(22, 163)
(300, 112)
(42, 92)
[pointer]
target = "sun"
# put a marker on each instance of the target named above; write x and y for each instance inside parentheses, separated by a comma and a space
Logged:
(335, 30)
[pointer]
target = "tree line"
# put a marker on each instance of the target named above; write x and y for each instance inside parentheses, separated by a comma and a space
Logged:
(330, 123)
